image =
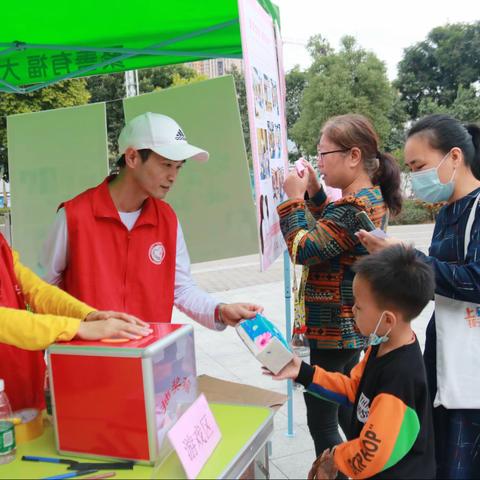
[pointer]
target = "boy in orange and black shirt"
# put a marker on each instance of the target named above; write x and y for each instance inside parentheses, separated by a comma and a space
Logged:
(392, 432)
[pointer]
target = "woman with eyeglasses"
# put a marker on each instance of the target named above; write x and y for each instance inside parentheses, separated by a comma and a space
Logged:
(349, 159)
(444, 158)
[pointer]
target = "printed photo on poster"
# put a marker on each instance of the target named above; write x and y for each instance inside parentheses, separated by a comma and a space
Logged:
(278, 177)
(257, 80)
(266, 205)
(263, 153)
(267, 89)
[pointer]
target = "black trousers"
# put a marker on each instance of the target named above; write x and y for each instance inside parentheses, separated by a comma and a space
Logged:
(323, 417)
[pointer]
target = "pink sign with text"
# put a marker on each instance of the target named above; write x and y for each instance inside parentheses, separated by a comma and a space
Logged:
(195, 436)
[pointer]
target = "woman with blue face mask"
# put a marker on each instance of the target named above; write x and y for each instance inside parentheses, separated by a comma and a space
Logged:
(444, 158)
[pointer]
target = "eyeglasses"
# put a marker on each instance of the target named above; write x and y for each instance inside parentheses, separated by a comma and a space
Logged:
(322, 154)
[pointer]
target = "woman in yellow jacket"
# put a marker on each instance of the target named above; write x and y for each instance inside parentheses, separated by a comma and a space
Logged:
(34, 314)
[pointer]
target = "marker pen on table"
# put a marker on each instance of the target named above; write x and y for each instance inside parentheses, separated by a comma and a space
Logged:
(78, 473)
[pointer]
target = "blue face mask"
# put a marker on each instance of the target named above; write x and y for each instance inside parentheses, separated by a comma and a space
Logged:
(374, 339)
(427, 186)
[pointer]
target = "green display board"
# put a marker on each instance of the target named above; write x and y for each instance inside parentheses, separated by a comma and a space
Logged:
(53, 156)
(213, 200)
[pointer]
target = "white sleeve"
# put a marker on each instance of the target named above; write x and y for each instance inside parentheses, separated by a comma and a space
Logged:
(53, 257)
(188, 297)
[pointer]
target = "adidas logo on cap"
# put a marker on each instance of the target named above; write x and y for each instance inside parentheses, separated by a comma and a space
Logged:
(180, 135)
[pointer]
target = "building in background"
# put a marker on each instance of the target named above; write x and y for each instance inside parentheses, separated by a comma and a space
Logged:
(216, 67)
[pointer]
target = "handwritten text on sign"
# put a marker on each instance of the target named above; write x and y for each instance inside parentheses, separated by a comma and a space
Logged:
(195, 436)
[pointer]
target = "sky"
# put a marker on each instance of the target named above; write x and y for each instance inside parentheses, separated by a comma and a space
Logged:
(384, 27)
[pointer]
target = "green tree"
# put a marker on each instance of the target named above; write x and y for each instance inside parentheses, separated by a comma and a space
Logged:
(151, 79)
(398, 118)
(436, 67)
(239, 79)
(68, 93)
(350, 80)
(178, 80)
(295, 82)
(110, 89)
(428, 106)
(466, 106)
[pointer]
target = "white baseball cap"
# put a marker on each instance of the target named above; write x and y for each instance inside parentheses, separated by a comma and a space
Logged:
(160, 134)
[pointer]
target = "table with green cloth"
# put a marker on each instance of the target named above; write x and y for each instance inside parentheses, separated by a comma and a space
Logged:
(245, 431)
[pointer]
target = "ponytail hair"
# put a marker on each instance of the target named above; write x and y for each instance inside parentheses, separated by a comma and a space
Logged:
(444, 133)
(354, 130)
(474, 131)
(388, 177)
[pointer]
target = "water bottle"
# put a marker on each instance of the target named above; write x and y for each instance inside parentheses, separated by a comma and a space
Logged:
(300, 347)
(7, 429)
(300, 343)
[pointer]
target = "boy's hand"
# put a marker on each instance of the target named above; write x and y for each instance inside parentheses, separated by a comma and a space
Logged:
(106, 314)
(111, 328)
(323, 467)
(289, 371)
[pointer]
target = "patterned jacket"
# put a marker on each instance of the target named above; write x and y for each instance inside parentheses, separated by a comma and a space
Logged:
(330, 248)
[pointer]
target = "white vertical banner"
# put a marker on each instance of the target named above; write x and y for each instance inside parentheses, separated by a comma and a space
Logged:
(266, 112)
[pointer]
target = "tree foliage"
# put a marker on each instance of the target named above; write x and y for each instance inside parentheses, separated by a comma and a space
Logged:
(433, 70)
(350, 80)
(239, 79)
(295, 83)
(465, 107)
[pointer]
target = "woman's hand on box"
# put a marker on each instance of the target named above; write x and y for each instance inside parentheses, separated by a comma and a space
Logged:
(111, 328)
(106, 314)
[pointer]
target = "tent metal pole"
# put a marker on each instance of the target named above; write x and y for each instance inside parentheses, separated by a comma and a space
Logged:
(120, 58)
(288, 336)
(122, 51)
(12, 88)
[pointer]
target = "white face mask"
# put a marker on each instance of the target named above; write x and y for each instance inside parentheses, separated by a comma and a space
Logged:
(374, 339)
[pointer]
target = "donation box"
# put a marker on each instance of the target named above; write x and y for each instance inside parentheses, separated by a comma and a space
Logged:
(114, 399)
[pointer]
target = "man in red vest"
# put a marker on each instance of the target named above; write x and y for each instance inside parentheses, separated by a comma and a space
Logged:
(119, 246)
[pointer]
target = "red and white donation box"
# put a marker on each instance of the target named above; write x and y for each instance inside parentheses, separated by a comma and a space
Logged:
(118, 399)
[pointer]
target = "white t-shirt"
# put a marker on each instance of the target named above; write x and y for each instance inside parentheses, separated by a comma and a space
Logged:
(188, 297)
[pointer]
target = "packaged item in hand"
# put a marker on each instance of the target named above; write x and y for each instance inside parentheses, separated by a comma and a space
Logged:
(266, 342)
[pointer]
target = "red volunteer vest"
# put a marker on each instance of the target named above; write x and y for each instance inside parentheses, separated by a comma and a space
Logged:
(22, 370)
(111, 268)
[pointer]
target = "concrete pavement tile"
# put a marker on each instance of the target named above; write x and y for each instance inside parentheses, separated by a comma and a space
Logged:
(280, 423)
(214, 369)
(296, 465)
(275, 472)
(283, 445)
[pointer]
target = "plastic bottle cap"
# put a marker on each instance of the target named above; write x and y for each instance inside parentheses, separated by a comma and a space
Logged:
(2, 385)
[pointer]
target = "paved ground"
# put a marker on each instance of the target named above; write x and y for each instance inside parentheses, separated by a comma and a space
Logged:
(223, 355)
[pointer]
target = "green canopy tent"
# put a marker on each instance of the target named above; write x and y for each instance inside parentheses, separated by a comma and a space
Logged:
(44, 42)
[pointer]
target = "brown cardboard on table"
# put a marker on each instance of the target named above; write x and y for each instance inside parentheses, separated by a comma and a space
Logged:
(222, 391)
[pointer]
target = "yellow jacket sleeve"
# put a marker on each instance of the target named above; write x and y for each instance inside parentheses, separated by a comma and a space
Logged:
(57, 314)
(32, 331)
